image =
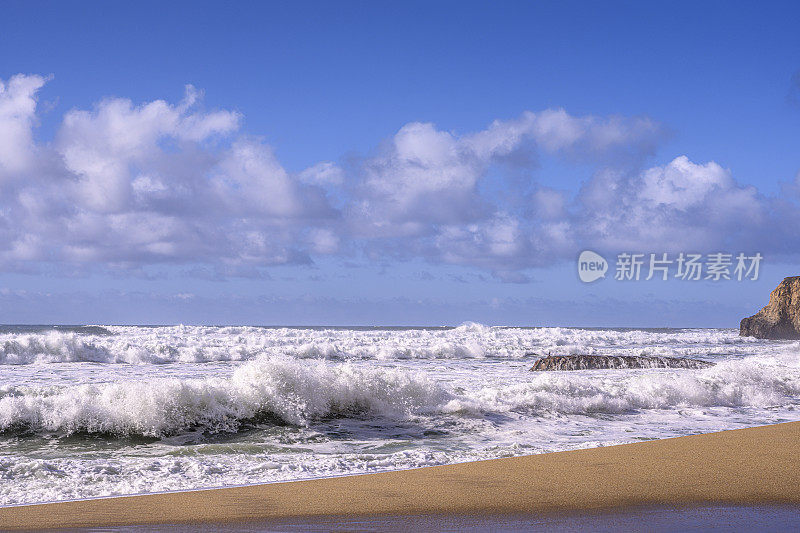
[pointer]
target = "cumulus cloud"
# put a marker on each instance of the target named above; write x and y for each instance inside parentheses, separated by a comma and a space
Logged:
(17, 118)
(324, 173)
(132, 184)
(105, 147)
(127, 184)
(679, 206)
(421, 194)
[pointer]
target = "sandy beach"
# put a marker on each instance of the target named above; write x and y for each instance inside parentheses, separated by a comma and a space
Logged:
(399, 266)
(747, 466)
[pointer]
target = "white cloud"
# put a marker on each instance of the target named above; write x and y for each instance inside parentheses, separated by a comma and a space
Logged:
(422, 195)
(324, 173)
(423, 175)
(17, 117)
(129, 184)
(107, 147)
(549, 204)
(324, 241)
(556, 131)
(682, 184)
(136, 184)
(678, 206)
(250, 180)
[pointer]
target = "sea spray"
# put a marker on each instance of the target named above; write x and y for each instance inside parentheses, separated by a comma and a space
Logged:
(745, 383)
(202, 344)
(291, 391)
(299, 392)
(126, 409)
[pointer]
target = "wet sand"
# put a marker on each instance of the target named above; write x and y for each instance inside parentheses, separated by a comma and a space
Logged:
(755, 466)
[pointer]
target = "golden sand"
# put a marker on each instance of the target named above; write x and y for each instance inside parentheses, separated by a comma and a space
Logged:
(748, 466)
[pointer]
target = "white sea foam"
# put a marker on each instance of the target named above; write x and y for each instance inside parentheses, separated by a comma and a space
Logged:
(293, 392)
(747, 383)
(297, 392)
(233, 405)
(42, 480)
(198, 344)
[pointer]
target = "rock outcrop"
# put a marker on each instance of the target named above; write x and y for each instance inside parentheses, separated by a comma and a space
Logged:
(780, 319)
(588, 362)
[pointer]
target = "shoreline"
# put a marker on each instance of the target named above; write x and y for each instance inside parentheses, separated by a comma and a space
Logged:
(751, 466)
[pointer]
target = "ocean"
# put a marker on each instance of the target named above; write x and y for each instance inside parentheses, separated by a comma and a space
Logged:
(91, 411)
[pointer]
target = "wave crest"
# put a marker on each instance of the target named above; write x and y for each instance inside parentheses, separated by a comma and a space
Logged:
(746, 383)
(291, 391)
(199, 344)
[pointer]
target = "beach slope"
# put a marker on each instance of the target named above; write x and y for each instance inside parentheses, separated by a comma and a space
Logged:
(748, 466)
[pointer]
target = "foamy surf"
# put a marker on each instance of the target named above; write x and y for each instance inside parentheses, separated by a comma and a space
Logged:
(120, 410)
(278, 389)
(201, 344)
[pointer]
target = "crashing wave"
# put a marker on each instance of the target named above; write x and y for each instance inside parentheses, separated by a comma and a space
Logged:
(288, 391)
(200, 344)
(296, 392)
(733, 384)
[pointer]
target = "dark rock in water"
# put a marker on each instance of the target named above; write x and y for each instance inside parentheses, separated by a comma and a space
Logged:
(587, 362)
(780, 319)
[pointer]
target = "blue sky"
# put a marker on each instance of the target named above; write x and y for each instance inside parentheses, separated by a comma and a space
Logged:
(338, 162)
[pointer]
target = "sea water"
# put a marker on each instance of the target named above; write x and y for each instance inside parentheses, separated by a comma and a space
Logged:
(95, 411)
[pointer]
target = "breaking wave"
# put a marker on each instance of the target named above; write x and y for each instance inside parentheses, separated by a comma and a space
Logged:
(288, 391)
(198, 344)
(747, 383)
(95, 411)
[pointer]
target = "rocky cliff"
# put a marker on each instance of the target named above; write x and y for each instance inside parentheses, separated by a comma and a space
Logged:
(780, 319)
(586, 362)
